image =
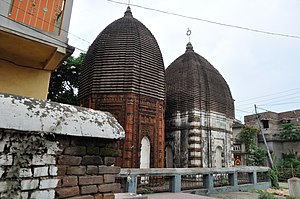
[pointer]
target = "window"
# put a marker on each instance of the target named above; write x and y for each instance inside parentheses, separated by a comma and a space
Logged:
(265, 124)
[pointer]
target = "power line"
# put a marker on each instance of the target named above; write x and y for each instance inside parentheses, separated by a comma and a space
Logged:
(269, 95)
(273, 100)
(209, 21)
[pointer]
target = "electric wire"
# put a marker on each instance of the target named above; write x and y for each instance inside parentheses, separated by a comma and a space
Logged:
(209, 21)
(269, 95)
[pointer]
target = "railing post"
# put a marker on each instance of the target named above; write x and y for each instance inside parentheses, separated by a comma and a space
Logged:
(253, 177)
(208, 181)
(233, 180)
(131, 184)
(175, 183)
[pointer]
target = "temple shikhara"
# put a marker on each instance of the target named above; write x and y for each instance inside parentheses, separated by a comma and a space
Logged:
(123, 73)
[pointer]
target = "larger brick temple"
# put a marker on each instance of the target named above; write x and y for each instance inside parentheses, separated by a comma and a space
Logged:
(123, 73)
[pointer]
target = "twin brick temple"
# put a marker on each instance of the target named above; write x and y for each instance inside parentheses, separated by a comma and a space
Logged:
(123, 73)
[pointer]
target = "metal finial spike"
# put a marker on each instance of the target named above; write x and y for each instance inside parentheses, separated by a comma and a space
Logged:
(188, 33)
(128, 2)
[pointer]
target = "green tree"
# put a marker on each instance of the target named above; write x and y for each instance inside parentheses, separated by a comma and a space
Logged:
(290, 131)
(63, 85)
(248, 136)
(255, 156)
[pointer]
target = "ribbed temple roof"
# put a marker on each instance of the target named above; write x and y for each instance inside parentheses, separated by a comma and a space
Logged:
(193, 83)
(125, 57)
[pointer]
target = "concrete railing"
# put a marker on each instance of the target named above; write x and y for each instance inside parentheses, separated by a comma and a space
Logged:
(208, 177)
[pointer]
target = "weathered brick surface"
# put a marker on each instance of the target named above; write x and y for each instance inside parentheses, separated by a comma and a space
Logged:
(48, 183)
(92, 169)
(92, 160)
(87, 175)
(108, 196)
(43, 194)
(79, 170)
(61, 170)
(92, 150)
(99, 196)
(109, 178)
(83, 197)
(2, 171)
(75, 150)
(3, 186)
(116, 187)
(88, 189)
(108, 161)
(43, 159)
(69, 160)
(24, 172)
(89, 180)
(103, 188)
(40, 171)
(109, 170)
(69, 181)
(29, 184)
(6, 160)
(67, 192)
(52, 170)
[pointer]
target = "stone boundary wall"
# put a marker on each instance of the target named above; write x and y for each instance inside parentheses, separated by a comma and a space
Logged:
(61, 167)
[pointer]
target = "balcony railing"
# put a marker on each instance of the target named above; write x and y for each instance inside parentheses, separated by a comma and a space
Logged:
(195, 180)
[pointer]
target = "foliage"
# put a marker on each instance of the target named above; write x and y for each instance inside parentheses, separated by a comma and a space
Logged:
(255, 156)
(290, 197)
(291, 159)
(273, 174)
(266, 195)
(248, 136)
(64, 84)
(24, 148)
(290, 131)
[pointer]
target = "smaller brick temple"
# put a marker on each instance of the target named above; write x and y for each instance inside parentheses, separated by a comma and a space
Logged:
(199, 114)
(123, 73)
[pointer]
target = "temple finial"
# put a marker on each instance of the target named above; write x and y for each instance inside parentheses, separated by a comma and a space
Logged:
(128, 12)
(188, 33)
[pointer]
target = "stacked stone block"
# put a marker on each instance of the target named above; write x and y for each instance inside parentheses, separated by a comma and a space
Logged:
(69, 167)
(85, 168)
(38, 179)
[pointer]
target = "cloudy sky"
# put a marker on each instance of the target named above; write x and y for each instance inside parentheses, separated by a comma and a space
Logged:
(260, 69)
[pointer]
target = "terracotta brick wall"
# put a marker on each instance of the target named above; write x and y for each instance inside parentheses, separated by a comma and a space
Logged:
(67, 167)
(85, 168)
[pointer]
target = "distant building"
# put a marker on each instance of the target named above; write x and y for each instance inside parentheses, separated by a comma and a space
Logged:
(199, 114)
(270, 123)
(123, 73)
(238, 150)
(33, 42)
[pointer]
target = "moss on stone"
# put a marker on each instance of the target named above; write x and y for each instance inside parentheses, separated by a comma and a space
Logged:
(109, 152)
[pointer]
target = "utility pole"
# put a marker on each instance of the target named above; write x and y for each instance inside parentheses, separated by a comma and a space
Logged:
(263, 135)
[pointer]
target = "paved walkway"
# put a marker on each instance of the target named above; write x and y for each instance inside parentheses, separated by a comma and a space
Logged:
(229, 195)
(162, 196)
